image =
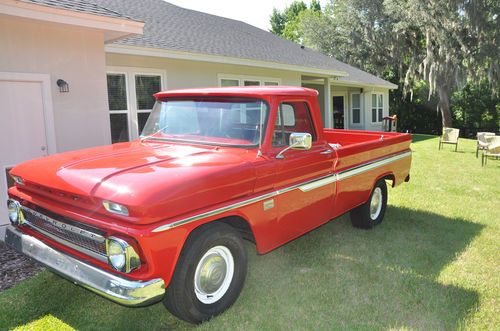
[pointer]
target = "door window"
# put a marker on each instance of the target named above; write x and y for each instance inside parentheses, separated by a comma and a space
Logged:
(292, 117)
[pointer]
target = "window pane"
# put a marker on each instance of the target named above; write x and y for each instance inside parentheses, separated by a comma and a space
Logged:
(374, 115)
(374, 101)
(119, 127)
(252, 83)
(141, 120)
(271, 83)
(117, 92)
(298, 113)
(356, 116)
(208, 120)
(380, 100)
(145, 87)
(229, 82)
(288, 115)
(380, 113)
(356, 101)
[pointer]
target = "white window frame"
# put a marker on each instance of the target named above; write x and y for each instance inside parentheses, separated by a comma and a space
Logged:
(351, 112)
(377, 107)
(133, 111)
(242, 78)
(346, 108)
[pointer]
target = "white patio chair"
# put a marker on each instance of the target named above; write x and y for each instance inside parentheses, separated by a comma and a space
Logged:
(483, 141)
(492, 150)
(449, 136)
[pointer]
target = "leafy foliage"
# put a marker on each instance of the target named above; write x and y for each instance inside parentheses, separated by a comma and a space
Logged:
(286, 23)
(475, 109)
(447, 44)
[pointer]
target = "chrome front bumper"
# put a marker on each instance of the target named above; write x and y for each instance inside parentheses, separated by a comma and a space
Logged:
(120, 290)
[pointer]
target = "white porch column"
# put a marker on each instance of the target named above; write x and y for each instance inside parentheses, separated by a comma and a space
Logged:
(328, 120)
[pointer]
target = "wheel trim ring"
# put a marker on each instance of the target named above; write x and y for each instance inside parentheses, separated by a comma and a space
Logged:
(376, 203)
(207, 262)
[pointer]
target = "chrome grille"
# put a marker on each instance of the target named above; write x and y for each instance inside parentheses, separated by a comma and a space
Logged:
(67, 232)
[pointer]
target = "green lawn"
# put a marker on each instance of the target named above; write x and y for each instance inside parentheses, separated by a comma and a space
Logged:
(434, 263)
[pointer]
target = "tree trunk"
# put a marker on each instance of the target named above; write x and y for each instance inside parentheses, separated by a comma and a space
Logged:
(444, 105)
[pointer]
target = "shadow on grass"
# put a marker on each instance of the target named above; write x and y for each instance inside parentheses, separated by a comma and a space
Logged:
(422, 137)
(334, 277)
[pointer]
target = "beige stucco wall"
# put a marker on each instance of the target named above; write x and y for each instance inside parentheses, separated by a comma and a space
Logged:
(73, 54)
(187, 74)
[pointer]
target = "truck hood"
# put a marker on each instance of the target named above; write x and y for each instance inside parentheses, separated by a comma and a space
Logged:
(154, 180)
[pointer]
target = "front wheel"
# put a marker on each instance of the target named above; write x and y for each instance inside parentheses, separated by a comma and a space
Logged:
(209, 275)
(372, 212)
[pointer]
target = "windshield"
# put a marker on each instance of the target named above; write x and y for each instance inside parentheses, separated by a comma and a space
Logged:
(208, 120)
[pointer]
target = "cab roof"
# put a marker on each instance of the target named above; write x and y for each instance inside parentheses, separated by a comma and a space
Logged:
(247, 91)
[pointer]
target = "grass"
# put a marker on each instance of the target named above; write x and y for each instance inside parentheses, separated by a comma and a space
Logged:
(434, 263)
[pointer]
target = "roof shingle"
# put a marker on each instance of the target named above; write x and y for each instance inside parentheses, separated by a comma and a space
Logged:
(80, 6)
(174, 28)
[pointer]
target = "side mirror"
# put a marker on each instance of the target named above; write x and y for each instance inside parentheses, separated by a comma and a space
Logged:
(298, 140)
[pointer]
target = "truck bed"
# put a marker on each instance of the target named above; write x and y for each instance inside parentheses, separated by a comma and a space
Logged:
(355, 147)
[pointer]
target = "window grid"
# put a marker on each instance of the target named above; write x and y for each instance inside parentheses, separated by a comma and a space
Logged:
(230, 80)
(377, 107)
(356, 108)
(137, 87)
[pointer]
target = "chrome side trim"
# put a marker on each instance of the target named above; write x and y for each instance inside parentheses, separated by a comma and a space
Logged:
(121, 290)
(304, 187)
(214, 212)
(372, 165)
(319, 183)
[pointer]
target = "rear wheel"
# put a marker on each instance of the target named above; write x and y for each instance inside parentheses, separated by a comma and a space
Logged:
(209, 275)
(372, 212)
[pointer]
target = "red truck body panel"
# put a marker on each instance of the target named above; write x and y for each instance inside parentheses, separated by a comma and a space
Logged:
(172, 188)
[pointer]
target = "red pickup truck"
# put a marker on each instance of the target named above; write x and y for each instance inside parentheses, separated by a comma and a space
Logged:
(165, 216)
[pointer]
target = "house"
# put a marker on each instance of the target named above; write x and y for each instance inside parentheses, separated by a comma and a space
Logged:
(75, 74)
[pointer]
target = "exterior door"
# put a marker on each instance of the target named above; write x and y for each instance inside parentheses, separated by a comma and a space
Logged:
(301, 208)
(338, 112)
(22, 129)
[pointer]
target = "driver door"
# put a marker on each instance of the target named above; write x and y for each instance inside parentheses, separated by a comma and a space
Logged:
(300, 208)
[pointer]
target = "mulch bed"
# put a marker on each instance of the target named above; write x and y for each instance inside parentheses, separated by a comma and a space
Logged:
(15, 267)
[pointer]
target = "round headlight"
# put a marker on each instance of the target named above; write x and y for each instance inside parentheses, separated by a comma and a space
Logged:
(14, 208)
(116, 254)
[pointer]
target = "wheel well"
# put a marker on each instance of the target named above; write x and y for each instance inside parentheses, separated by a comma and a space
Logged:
(241, 225)
(238, 223)
(391, 178)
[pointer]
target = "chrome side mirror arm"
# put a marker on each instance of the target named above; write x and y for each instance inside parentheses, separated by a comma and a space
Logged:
(298, 140)
(280, 154)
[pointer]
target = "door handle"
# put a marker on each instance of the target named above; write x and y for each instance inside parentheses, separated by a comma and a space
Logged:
(328, 151)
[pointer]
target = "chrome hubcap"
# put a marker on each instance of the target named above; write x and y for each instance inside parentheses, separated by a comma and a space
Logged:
(214, 274)
(376, 203)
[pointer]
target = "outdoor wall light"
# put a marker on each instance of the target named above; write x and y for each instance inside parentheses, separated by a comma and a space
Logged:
(63, 85)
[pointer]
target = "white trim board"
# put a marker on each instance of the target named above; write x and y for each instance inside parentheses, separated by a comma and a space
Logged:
(165, 53)
(48, 111)
(118, 27)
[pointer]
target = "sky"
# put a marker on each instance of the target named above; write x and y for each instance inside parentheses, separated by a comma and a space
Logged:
(254, 12)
